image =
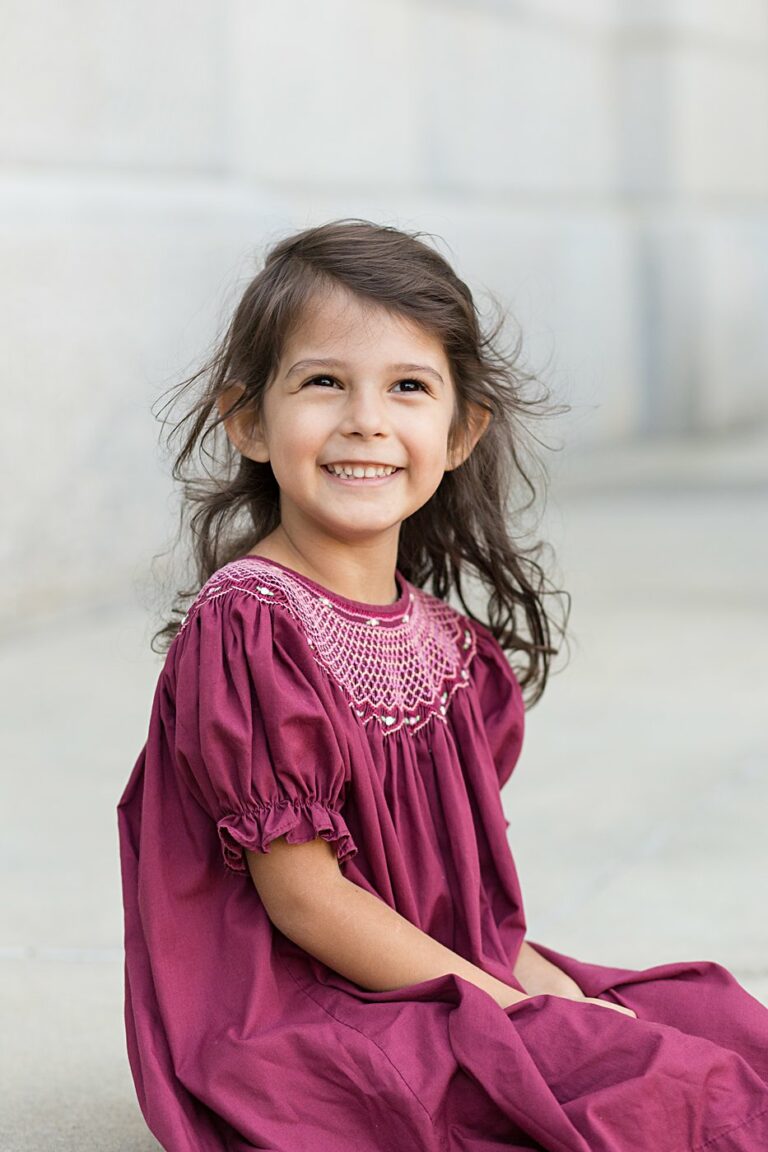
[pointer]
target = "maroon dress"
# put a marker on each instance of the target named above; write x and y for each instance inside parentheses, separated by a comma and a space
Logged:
(286, 709)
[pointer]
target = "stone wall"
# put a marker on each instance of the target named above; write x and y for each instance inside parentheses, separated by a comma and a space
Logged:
(602, 167)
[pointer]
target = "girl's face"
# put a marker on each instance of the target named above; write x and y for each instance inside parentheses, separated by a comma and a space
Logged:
(356, 386)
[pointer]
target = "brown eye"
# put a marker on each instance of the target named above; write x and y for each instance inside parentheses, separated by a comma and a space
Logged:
(315, 379)
(420, 385)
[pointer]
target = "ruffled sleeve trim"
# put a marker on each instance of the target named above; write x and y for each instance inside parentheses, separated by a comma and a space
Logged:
(297, 820)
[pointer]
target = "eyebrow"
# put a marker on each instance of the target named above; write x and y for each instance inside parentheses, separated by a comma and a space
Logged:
(331, 363)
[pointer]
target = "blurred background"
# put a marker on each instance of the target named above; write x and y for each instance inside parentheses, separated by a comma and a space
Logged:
(600, 167)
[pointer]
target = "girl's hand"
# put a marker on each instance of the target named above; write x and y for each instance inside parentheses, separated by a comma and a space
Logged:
(579, 995)
(571, 991)
(538, 975)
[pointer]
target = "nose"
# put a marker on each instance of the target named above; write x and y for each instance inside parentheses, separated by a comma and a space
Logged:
(364, 413)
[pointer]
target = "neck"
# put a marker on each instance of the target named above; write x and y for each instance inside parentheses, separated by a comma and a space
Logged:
(360, 572)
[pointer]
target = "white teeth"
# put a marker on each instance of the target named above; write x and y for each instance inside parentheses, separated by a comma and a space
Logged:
(358, 471)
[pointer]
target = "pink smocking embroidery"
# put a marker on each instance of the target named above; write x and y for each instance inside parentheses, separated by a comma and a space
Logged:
(399, 669)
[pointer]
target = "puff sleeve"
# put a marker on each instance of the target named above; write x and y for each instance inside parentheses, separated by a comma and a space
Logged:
(259, 731)
(501, 702)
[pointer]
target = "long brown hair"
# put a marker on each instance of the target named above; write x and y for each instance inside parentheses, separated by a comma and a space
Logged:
(471, 524)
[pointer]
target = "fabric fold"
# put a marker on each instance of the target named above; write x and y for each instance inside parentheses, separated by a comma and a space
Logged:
(298, 821)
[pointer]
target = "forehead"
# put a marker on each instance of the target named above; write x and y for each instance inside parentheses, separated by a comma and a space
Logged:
(336, 322)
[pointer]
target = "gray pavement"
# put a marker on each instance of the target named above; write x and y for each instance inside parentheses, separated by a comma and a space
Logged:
(637, 809)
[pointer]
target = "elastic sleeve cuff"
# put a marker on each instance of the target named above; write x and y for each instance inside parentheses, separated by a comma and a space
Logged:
(297, 820)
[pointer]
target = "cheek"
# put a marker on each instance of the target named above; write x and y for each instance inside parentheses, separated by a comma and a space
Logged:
(298, 436)
(429, 444)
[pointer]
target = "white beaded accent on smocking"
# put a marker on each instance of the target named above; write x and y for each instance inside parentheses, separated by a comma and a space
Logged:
(399, 669)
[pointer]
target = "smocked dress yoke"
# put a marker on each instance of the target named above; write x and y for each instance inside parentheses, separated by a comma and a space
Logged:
(284, 709)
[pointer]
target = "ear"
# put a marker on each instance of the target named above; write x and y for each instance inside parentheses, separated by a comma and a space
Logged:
(243, 428)
(479, 419)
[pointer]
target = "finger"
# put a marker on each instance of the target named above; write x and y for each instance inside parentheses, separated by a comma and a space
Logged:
(615, 1007)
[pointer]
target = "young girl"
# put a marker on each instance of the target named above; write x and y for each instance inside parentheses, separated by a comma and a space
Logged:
(324, 929)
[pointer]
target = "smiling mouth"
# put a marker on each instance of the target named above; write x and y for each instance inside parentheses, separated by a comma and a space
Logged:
(356, 475)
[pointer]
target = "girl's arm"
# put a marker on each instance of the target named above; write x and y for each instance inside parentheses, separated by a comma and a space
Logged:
(351, 930)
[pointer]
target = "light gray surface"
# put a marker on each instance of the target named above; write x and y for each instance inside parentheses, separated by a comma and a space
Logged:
(637, 808)
(600, 166)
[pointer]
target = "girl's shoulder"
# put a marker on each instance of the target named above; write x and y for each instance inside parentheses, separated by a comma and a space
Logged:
(246, 577)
